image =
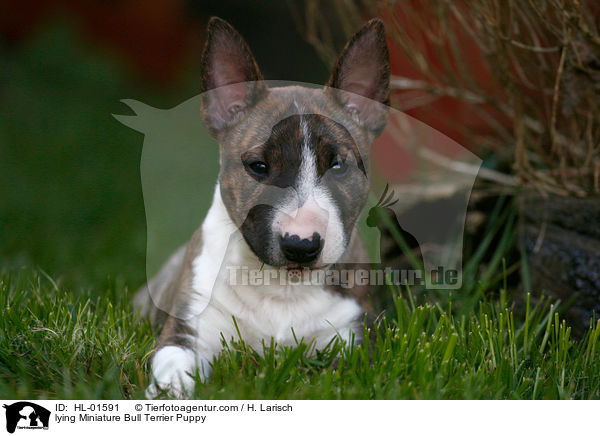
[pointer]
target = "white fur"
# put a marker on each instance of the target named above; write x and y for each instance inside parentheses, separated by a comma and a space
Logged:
(172, 368)
(335, 238)
(310, 312)
(308, 167)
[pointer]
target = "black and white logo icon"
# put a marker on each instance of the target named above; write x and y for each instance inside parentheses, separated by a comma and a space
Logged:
(26, 415)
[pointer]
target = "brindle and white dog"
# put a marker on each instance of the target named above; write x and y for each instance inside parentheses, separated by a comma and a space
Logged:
(317, 168)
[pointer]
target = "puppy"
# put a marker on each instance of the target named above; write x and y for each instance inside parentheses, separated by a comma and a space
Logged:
(293, 181)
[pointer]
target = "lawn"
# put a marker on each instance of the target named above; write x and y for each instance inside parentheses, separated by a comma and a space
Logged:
(73, 242)
(55, 343)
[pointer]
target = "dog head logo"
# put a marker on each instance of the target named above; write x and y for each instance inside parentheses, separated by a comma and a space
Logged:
(295, 162)
(26, 415)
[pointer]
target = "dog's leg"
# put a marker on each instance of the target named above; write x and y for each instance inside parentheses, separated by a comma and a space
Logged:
(173, 368)
(177, 359)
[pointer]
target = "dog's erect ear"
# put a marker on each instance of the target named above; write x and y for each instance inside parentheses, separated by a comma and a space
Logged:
(363, 73)
(230, 71)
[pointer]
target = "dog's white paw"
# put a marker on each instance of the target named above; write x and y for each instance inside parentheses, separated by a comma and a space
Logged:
(171, 369)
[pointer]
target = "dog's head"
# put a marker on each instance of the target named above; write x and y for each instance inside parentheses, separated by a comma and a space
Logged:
(295, 160)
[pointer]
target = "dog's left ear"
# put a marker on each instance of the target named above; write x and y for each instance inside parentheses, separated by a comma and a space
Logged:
(363, 73)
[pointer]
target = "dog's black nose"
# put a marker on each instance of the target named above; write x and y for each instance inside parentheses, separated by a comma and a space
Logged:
(301, 250)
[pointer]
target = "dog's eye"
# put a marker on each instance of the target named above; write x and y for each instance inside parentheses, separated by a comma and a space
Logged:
(258, 168)
(338, 167)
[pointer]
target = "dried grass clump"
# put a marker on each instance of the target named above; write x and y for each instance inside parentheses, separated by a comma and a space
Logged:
(540, 96)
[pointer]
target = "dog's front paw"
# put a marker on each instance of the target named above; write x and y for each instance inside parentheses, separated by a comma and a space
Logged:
(172, 369)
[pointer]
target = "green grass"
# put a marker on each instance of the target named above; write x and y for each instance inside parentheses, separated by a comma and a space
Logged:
(59, 344)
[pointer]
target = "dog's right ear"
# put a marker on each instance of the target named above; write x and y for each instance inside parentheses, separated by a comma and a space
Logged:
(231, 80)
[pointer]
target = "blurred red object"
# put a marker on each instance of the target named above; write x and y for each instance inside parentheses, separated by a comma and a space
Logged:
(459, 120)
(447, 114)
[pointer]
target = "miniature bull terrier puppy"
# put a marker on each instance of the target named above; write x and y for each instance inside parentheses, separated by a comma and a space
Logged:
(287, 201)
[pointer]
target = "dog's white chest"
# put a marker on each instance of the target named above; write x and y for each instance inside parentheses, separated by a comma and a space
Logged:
(300, 313)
